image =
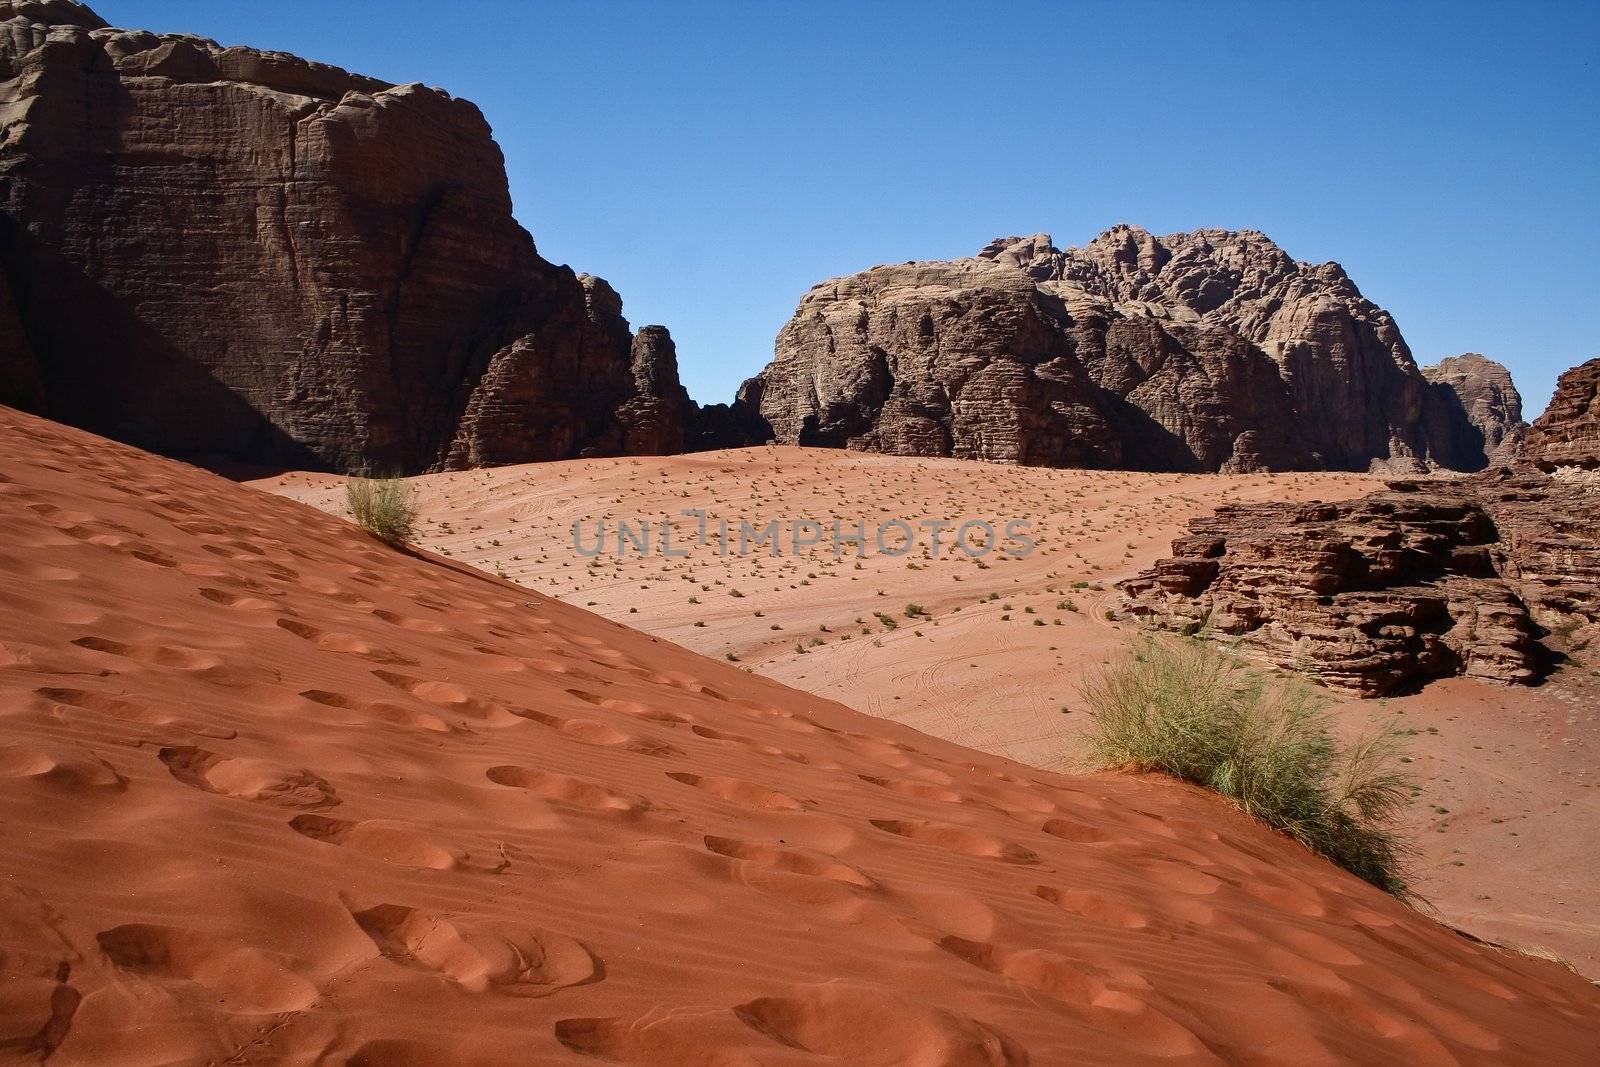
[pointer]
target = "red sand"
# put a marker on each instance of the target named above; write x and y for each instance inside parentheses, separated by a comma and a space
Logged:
(272, 793)
(1508, 821)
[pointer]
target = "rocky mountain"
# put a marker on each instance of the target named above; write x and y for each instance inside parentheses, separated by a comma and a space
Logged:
(1474, 412)
(224, 250)
(1489, 576)
(1206, 351)
(1568, 433)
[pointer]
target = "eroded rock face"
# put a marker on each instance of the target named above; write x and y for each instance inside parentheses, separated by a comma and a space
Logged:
(1206, 351)
(1474, 412)
(1568, 433)
(223, 250)
(1487, 577)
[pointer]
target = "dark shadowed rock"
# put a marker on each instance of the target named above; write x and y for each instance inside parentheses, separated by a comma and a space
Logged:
(1474, 412)
(734, 425)
(224, 250)
(1206, 351)
(1568, 433)
(660, 415)
(19, 370)
(1486, 577)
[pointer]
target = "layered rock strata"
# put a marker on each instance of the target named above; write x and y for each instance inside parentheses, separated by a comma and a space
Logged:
(1492, 577)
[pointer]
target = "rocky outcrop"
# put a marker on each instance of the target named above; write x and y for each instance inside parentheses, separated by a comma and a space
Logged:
(1568, 433)
(1206, 351)
(1474, 413)
(1489, 577)
(224, 250)
(656, 421)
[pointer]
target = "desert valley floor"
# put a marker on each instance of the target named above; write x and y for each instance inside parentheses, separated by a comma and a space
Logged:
(1509, 817)
(273, 793)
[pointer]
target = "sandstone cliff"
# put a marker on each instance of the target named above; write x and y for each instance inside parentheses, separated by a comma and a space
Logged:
(1206, 351)
(1489, 576)
(1568, 433)
(1474, 412)
(224, 250)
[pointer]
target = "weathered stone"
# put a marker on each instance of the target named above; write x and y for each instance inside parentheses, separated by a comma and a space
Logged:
(222, 250)
(660, 415)
(1474, 413)
(1489, 577)
(1194, 352)
(1568, 433)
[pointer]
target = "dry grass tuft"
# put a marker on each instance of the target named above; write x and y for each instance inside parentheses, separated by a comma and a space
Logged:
(384, 507)
(1185, 709)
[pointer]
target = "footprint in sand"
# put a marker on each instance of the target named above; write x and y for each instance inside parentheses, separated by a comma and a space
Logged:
(787, 860)
(761, 747)
(911, 788)
(842, 1022)
(600, 734)
(245, 980)
(380, 710)
(1082, 833)
(186, 659)
(958, 839)
(1095, 907)
(451, 697)
(567, 790)
(1092, 996)
(406, 622)
(130, 711)
(735, 791)
(230, 599)
(77, 770)
(638, 709)
(388, 843)
(349, 644)
(248, 779)
(104, 704)
(513, 961)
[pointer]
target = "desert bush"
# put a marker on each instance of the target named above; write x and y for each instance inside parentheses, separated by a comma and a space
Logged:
(1185, 709)
(384, 507)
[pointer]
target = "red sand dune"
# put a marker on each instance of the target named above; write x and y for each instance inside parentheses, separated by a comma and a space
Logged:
(273, 793)
(1507, 823)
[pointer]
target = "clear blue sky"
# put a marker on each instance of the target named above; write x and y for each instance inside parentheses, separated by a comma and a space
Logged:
(715, 160)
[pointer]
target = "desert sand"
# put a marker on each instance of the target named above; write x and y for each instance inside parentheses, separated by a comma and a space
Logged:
(271, 792)
(1508, 820)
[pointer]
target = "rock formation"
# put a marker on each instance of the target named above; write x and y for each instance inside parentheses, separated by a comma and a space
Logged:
(1206, 351)
(224, 250)
(1474, 412)
(1568, 433)
(1488, 576)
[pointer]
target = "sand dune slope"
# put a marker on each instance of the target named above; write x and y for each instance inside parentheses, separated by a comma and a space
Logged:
(1508, 820)
(271, 793)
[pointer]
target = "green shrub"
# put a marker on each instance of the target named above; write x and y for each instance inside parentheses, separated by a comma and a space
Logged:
(384, 507)
(1187, 710)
